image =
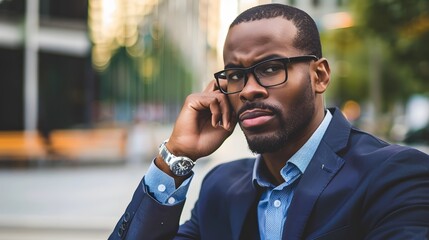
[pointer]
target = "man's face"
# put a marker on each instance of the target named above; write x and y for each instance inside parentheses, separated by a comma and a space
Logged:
(270, 117)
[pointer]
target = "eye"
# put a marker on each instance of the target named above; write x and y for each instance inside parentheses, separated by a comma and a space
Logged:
(270, 69)
(234, 75)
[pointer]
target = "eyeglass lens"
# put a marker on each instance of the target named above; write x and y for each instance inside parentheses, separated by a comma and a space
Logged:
(267, 73)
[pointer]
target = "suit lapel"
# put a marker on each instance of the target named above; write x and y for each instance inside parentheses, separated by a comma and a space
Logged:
(243, 195)
(313, 182)
(322, 168)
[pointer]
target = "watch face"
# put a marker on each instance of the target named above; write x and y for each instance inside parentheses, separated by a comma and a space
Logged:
(181, 167)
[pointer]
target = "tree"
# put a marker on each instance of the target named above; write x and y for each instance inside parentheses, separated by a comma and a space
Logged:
(387, 46)
(403, 27)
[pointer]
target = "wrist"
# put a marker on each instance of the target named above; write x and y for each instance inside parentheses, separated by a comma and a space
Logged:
(179, 149)
(173, 149)
(178, 165)
(160, 163)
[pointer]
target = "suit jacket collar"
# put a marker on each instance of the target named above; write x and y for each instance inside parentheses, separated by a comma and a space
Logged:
(322, 168)
(338, 132)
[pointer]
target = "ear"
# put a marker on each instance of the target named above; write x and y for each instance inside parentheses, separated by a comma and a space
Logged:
(322, 76)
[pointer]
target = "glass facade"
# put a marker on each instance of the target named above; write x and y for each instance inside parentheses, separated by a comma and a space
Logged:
(11, 85)
(57, 72)
(11, 8)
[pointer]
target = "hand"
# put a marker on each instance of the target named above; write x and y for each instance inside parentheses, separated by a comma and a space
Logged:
(203, 124)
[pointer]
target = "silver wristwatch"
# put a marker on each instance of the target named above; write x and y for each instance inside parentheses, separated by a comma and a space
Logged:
(179, 165)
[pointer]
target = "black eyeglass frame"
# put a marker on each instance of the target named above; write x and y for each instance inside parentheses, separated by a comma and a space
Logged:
(251, 69)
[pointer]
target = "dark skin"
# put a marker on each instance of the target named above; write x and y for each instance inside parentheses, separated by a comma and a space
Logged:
(197, 133)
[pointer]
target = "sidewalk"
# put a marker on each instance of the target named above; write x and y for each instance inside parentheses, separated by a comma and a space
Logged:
(84, 202)
(57, 203)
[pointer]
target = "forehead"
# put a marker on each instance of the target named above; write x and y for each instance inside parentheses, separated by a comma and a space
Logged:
(250, 41)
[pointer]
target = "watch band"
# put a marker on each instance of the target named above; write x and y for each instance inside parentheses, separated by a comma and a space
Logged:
(165, 154)
(179, 165)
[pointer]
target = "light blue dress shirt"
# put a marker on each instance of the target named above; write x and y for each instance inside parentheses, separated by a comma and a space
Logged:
(275, 200)
(162, 186)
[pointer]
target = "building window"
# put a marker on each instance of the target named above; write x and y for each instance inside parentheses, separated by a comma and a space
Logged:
(12, 8)
(66, 89)
(11, 85)
(64, 9)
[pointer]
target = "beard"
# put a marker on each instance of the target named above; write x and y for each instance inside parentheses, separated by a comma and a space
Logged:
(290, 127)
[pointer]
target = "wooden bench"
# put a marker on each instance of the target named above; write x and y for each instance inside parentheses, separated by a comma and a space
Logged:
(105, 145)
(21, 145)
(89, 145)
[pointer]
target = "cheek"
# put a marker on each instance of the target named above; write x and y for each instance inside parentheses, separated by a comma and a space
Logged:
(299, 82)
(296, 93)
(235, 102)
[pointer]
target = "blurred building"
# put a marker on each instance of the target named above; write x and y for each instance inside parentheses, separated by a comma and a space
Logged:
(49, 49)
(45, 63)
(82, 64)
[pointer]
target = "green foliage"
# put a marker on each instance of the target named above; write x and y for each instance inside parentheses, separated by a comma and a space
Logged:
(155, 75)
(390, 18)
(398, 30)
(403, 25)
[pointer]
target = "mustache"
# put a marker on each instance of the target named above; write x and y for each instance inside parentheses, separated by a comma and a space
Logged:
(261, 105)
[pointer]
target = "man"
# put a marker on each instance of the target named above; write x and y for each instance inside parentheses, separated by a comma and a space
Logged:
(316, 177)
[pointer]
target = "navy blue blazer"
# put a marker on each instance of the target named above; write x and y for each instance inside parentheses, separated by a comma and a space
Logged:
(355, 187)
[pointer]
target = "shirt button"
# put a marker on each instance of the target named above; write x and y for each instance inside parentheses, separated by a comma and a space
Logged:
(171, 200)
(161, 187)
(277, 203)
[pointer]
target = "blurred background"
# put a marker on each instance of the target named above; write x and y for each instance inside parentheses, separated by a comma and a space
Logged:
(90, 88)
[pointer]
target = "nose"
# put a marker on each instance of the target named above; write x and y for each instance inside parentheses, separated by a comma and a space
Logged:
(253, 90)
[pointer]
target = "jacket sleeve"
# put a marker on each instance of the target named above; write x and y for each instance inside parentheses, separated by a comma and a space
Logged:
(145, 218)
(398, 200)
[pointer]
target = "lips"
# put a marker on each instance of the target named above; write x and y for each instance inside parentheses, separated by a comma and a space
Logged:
(255, 117)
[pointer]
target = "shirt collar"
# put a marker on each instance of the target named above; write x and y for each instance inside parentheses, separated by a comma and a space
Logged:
(300, 159)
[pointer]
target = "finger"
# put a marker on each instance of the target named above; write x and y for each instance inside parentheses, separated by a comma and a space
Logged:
(221, 113)
(216, 112)
(226, 112)
(218, 105)
(223, 85)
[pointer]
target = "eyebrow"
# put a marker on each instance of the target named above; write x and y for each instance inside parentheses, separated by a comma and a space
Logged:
(273, 56)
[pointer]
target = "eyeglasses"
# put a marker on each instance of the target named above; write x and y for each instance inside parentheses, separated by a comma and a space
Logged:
(268, 73)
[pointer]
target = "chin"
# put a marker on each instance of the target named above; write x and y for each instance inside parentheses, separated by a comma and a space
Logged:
(267, 143)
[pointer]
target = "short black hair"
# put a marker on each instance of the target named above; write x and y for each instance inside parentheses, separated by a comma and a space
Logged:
(307, 38)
